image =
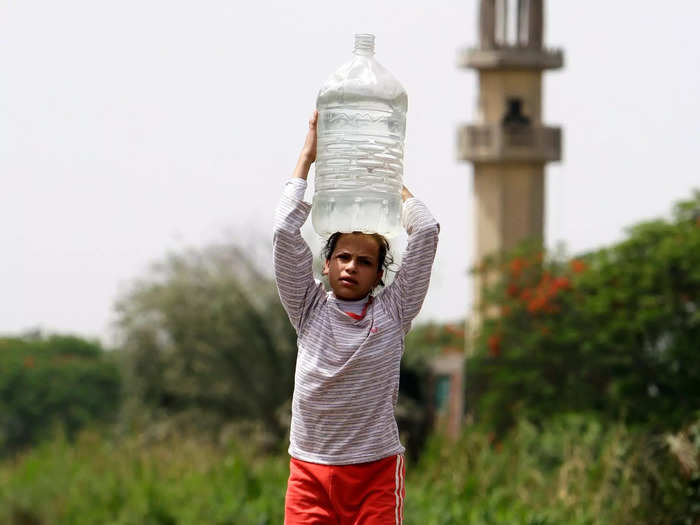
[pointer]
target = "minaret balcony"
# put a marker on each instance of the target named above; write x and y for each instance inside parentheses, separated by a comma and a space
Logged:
(511, 57)
(509, 143)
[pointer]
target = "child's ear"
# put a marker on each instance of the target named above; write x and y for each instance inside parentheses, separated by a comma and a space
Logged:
(326, 268)
(380, 274)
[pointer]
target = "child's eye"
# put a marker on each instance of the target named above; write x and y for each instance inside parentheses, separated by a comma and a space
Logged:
(343, 256)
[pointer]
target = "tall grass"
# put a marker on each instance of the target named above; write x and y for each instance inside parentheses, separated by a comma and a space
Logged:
(575, 471)
(177, 481)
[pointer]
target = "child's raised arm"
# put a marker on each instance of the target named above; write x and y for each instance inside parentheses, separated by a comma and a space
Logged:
(407, 292)
(292, 258)
(308, 151)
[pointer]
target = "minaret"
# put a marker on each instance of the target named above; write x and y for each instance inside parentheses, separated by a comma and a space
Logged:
(509, 145)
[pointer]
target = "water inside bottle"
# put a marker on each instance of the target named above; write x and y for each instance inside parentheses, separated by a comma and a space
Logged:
(359, 157)
(359, 167)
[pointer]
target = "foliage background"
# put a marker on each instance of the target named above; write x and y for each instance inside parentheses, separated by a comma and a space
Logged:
(62, 380)
(205, 342)
(615, 331)
(583, 396)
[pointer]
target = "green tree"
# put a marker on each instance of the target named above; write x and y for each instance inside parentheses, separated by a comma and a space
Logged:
(615, 331)
(49, 380)
(204, 332)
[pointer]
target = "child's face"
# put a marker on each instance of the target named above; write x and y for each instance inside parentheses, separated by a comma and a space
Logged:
(353, 268)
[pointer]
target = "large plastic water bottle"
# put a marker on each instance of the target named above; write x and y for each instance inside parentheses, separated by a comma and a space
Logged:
(359, 160)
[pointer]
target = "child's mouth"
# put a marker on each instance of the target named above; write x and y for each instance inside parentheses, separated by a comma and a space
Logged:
(347, 281)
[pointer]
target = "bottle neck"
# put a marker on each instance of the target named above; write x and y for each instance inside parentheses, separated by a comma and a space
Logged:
(364, 44)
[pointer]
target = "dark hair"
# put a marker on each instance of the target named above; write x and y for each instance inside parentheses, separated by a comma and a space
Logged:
(385, 259)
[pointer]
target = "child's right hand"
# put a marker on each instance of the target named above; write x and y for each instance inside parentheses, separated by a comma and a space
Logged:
(308, 151)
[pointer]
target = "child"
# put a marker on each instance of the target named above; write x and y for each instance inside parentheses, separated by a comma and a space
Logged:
(347, 462)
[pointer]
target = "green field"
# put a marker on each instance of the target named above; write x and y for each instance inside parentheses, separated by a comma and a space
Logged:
(575, 472)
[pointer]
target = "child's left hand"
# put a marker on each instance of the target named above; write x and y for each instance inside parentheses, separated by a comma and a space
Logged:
(308, 151)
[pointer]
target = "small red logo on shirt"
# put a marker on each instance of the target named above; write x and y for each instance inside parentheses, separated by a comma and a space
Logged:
(374, 330)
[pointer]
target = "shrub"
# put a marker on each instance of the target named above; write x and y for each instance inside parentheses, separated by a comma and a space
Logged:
(52, 380)
(614, 331)
(204, 338)
(574, 469)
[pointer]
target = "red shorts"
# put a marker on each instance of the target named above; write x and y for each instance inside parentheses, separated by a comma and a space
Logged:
(362, 494)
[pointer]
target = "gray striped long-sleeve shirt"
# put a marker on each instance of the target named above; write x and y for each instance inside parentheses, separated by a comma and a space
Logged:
(347, 374)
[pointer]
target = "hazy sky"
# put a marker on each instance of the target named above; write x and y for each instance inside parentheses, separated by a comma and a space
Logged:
(131, 128)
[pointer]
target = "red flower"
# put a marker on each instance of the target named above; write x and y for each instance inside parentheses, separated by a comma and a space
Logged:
(536, 304)
(578, 266)
(513, 290)
(494, 344)
(561, 283)
(516, 266)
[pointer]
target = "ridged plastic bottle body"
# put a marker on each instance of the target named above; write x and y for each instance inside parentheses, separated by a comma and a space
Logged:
(359, 159)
